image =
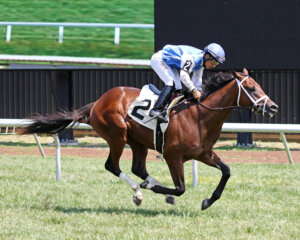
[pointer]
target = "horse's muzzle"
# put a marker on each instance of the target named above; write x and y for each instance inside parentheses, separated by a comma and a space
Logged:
(268, 111)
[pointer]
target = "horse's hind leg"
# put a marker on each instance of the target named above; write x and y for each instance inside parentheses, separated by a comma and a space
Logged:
(139, 153)
(112, 165)
(213, 160)
(115, 133)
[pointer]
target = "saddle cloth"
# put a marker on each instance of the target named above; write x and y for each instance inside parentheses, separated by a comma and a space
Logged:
(139, 112)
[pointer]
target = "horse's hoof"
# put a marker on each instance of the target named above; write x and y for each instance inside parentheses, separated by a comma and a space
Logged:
(144, 184)
(171, 200)
(137, 198)
(205, 204)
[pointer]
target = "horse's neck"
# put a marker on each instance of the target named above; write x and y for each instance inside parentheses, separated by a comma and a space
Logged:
(226, 96)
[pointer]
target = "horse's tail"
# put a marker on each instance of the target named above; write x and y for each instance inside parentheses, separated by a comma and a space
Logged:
(58, 121)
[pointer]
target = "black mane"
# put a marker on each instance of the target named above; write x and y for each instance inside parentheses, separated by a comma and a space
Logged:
(213, 81)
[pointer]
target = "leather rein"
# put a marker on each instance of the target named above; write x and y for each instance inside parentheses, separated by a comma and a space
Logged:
(238, 106)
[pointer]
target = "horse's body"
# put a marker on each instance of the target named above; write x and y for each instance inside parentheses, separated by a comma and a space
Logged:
(192, 132)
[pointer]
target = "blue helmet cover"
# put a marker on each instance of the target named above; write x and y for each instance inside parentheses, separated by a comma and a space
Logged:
(216, 51)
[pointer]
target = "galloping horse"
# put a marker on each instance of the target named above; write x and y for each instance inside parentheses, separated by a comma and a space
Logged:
(193, 130)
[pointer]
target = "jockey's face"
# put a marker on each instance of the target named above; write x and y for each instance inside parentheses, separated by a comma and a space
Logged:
(210, 63)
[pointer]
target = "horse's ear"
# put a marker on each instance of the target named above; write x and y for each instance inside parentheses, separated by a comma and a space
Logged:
(234, 73)
(245, 71)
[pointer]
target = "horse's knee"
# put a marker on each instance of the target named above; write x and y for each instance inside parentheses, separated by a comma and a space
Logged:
(179, 191)
(226, 173)
(135, 171)
(140, 172)
(111, 168)
(225, 170)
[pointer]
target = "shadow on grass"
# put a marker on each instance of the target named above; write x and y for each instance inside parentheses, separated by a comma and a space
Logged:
(119, 211)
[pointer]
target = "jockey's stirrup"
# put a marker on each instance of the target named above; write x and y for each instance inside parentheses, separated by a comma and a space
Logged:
(162, 100)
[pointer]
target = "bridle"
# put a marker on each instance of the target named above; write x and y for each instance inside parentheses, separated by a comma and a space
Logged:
(254, 107)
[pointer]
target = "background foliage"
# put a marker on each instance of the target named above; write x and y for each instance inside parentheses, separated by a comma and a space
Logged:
(84, 42)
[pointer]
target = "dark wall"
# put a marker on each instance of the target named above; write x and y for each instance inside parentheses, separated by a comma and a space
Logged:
(24, 92)
(89, 85)
(257, 34)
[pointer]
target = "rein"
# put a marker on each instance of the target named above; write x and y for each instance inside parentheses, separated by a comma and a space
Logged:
(238, 106)
(225, 108)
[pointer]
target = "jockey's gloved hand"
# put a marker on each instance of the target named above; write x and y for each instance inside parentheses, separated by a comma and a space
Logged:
(196, 94)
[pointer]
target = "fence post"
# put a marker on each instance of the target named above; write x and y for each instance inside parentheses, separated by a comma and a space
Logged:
(8, 33)
(39, 144)
(58, 165)
(287, 150)
(195, 173)
(117, 36)
(60, 34)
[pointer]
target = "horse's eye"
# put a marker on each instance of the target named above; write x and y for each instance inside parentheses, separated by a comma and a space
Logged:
(251, 89)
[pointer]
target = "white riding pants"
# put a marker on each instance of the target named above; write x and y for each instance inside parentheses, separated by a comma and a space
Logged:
(167, 74)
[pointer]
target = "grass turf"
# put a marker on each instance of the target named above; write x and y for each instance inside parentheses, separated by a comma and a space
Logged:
(261, 201)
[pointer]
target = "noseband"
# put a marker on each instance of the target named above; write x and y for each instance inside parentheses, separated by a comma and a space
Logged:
(254, 106)
(238, 106)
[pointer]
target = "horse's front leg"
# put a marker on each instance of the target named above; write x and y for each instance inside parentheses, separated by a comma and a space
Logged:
(177, 173)
(213, 160)
(139, 167)
(150, 182)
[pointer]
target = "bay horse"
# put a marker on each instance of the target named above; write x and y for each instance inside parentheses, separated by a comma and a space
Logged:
(193, 130)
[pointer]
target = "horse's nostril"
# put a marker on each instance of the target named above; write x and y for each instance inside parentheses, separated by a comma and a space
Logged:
(274, 108)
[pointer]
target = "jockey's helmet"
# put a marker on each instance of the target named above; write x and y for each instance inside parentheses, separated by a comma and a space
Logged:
(215, 51)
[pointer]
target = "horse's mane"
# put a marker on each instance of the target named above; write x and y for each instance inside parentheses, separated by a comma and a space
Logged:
(213, 81)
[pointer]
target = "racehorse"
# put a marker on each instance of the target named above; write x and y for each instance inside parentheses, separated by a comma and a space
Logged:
(193, 129)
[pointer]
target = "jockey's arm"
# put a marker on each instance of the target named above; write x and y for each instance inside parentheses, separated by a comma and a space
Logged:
(187, 65)
(186, 80)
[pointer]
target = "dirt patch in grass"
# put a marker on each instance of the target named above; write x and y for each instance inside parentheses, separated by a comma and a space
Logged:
(238, 156)
(95, 147)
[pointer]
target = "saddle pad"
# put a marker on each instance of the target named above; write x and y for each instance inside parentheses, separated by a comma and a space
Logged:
(139, 112)
(140, 108)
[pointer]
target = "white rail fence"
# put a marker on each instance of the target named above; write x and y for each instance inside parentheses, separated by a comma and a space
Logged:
(227, 127)
(81, 60)
(61, 26)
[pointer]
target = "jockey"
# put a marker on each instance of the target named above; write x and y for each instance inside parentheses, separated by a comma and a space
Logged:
(175, 64)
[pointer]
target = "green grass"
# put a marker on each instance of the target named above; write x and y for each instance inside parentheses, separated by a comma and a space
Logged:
(82, 42)
(261, 201)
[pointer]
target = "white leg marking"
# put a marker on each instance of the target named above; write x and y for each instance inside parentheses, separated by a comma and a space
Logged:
(133, 184)
(138, 196)
(152, 182)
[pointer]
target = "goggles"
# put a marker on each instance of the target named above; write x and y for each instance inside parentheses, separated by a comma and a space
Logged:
(214, 61)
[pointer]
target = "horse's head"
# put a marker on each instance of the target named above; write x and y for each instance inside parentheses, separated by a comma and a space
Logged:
(251, 94)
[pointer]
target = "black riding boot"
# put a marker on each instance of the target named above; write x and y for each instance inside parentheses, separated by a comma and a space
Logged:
(162, 100)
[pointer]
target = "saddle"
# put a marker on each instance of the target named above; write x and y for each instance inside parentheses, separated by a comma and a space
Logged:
(140, 108)
(177, 97)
